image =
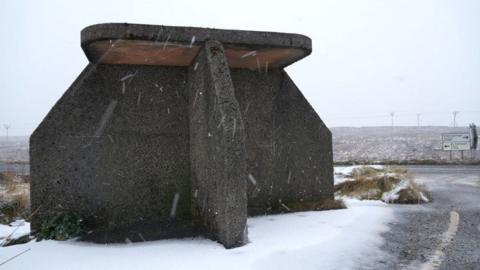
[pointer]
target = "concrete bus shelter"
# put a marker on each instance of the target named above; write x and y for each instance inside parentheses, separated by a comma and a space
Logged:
(180, 131)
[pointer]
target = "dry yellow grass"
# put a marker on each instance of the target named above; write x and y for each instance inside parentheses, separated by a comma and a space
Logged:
(370, 183)
(364, 172)
(371, 188)
(14, 198)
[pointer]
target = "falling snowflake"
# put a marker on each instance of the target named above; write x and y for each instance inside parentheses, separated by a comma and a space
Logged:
(173, 210)
(252, 179)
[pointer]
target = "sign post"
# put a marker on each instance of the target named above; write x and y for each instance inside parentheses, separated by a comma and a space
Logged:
(474, 139)
(456, 142)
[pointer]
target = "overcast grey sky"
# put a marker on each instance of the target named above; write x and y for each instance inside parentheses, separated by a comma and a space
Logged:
(369, 57)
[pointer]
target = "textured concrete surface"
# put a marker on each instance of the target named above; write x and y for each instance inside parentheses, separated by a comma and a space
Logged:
(289, 148)
(115, 152)
(217, 147)
(152, 151)
(124, 31)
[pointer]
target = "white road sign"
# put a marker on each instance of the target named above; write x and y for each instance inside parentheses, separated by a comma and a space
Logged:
(456, 141)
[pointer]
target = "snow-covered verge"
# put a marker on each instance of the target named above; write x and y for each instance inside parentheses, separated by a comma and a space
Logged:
(336, 239)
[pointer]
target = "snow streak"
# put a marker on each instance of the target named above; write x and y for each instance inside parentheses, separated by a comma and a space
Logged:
(105, 118)
(193, 41)
(252, 179)
(252, 53)
(173, 210)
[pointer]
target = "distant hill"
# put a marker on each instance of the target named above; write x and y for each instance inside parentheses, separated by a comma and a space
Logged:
(368, 144)
(16, 149)
(399, 144)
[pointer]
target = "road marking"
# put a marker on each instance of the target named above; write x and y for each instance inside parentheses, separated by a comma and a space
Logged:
(436, 259)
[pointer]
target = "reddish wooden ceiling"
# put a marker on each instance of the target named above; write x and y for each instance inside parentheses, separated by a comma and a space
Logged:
(139, 52)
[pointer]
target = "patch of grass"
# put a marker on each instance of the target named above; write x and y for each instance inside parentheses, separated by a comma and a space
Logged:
(14, 197)
(9, 177)
(397, 170)
(61, 227)
(364, 188)
(365, 171)
(17, 206)
(391, 184)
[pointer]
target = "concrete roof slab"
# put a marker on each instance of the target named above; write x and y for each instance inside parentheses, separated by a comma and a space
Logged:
(122, 43)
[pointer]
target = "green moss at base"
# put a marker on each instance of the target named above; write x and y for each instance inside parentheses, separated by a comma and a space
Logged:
(61, 227)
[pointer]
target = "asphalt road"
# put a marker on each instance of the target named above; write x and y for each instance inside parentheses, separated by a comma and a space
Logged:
(443, 234)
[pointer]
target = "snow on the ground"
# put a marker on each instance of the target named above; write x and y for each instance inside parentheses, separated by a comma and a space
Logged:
(336, 239)
(393, 194)
(340, 172)
(15, 229)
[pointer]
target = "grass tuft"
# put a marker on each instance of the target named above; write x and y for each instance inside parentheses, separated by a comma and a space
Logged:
(14, 197)
(390, 184)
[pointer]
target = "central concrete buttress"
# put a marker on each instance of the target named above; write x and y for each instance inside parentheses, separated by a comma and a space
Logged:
(217, 151)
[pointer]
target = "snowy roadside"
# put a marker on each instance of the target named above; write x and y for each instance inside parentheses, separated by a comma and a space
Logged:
(336, 239)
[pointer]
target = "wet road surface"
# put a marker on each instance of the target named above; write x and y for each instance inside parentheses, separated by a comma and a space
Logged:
(443, 234)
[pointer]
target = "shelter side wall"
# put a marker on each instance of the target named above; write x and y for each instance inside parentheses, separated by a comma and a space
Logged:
(115, 151)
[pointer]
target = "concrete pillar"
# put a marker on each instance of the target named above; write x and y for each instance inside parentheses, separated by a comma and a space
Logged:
(217, 150)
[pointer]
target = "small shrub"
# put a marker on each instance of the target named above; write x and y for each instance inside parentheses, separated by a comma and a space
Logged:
(61, 227)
